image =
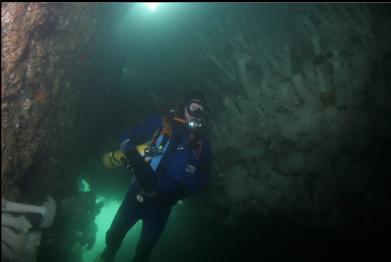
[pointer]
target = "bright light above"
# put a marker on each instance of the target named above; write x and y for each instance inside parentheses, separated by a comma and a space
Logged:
(152, 6)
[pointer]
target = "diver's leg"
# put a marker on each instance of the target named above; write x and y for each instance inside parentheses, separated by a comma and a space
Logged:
(153, 224)
(127, 215)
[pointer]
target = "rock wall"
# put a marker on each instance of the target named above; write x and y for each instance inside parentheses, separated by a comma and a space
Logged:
(299, 139)
(46, 64)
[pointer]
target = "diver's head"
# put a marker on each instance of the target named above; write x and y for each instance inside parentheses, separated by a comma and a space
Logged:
(195, 110)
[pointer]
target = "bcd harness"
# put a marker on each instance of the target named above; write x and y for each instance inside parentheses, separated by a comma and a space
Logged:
(153, 150)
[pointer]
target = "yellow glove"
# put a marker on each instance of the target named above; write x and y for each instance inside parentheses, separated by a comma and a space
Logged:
(113, 159)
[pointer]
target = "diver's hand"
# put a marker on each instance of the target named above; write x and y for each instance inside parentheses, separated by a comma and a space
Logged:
(126, 164)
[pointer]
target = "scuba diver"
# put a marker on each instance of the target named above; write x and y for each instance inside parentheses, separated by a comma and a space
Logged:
(170, 159)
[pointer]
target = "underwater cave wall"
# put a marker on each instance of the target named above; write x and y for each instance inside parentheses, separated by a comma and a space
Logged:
(301, 136)
(45, 64)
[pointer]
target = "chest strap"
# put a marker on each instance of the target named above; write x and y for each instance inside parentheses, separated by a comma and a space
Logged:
(153, 150)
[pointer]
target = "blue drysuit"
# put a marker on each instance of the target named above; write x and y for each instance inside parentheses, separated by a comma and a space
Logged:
(182, 170)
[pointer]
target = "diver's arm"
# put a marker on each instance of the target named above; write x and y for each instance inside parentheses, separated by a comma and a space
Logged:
(190, 170)
(129, 140)
(195, 183)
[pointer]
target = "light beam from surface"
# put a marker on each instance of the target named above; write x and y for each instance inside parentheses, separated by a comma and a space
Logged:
(152, 6)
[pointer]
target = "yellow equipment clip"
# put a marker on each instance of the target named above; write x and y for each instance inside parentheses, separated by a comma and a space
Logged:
(141, 151)
(113, 160)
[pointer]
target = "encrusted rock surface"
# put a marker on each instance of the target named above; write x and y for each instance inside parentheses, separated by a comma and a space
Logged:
(45, 56)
